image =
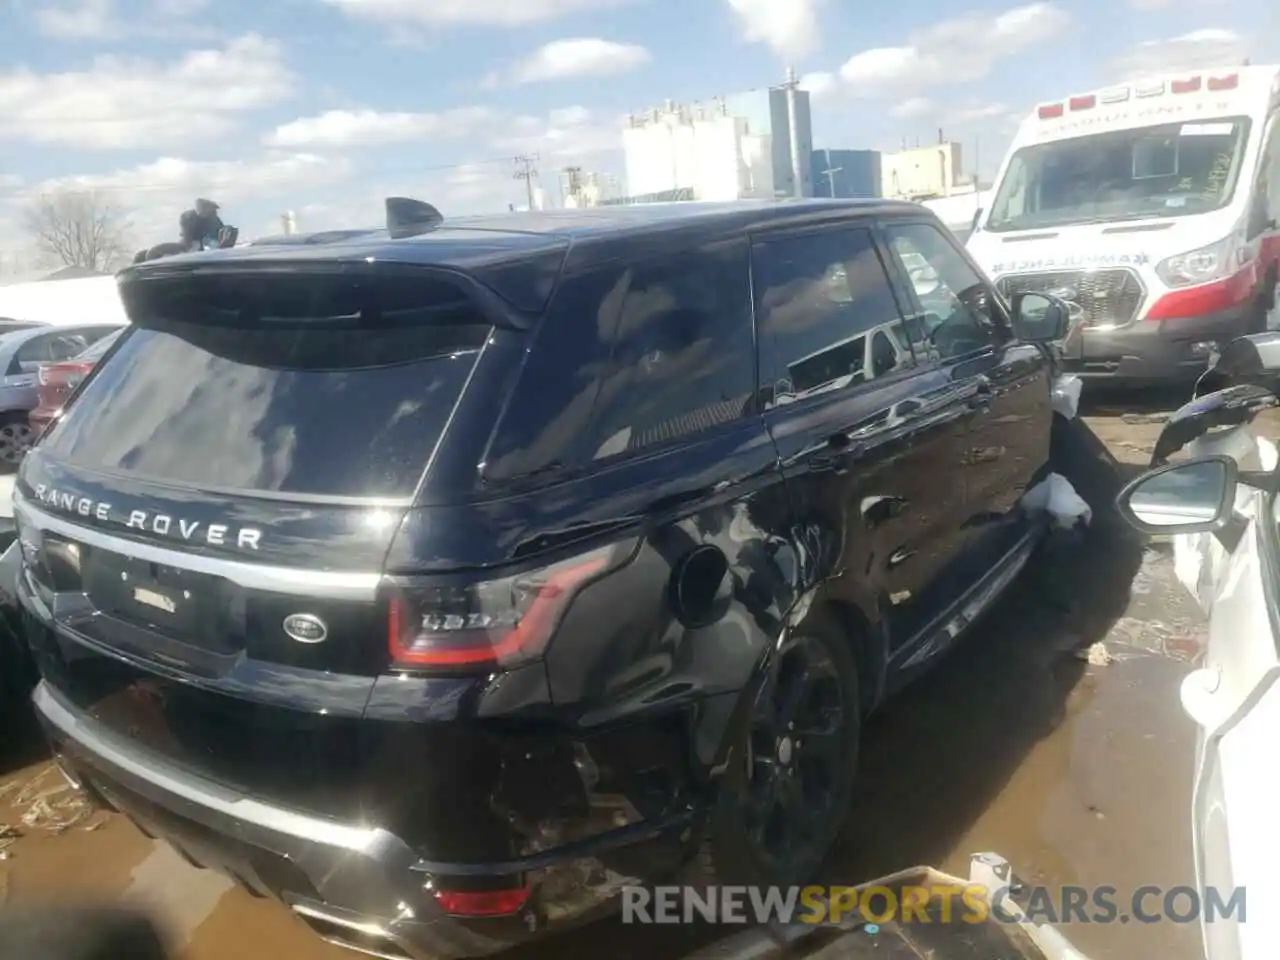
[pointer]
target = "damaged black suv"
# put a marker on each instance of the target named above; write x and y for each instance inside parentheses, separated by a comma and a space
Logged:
(441, 579)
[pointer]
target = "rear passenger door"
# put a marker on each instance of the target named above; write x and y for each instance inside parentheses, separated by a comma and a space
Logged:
(870, 455)
(1005, 382)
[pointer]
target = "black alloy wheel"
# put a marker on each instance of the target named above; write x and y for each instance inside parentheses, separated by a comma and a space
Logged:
(788, 788)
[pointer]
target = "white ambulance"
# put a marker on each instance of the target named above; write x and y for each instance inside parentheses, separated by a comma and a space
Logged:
(1150, 207)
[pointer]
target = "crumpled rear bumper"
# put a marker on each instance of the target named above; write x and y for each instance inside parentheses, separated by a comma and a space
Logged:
(856, 938)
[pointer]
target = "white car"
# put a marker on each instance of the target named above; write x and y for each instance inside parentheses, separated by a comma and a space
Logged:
(1220, 508)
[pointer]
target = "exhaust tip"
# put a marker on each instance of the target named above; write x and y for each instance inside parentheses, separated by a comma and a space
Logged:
(369, 938)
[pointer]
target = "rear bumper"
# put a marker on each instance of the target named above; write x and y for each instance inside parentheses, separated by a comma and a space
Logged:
(348, 874)
(354, 884)
(1157, 351)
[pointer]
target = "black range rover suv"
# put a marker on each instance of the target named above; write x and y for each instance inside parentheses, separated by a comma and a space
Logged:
(441, 580)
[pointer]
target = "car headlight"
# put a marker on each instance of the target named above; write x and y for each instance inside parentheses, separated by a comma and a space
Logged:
(1217, 261)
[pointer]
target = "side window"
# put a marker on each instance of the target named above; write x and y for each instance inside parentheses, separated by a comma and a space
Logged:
(884, 358)
(819, 298)
(957, 312)
(42, 349)
(683, 356)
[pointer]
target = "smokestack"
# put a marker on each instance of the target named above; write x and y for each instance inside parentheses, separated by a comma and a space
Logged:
(793, 123)
(289, 222)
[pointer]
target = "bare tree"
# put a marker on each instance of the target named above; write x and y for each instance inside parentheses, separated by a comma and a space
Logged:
(80, 229)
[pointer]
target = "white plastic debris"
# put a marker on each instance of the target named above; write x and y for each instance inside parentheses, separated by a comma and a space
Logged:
(1056, 496)
(1065, 395)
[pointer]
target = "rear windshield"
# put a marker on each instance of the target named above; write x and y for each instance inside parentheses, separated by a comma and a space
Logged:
(322, 390)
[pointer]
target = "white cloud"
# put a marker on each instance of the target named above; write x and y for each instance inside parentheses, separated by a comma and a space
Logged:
(88, 19)
(790, 27)
(102, 20)
(444, 13)
(122, 103)
(913, 108)
(579, 57)
(955, 51)
(1199, 49)
(363, 128)
(819, 84)
(1147, 6)
(570, 133)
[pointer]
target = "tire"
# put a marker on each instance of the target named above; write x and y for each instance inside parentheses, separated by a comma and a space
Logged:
(16, 436)
(748, 840)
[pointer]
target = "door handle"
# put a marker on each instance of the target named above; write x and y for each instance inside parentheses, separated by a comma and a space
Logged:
(982, 394)
(835, 452)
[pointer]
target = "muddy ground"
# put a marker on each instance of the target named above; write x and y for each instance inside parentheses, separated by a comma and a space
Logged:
(1077, 768)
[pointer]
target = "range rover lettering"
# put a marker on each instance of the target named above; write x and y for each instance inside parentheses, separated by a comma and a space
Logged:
(452, 574)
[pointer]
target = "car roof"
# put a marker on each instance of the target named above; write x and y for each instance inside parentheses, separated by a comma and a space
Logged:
(566, 240)
(465, 241)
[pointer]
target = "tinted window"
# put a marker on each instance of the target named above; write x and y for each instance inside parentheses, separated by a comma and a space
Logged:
(956, 309)
(818, 298)
(683, 357)
(301, 390)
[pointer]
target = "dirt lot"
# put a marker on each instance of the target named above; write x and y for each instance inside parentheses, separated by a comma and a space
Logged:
(1076, 768)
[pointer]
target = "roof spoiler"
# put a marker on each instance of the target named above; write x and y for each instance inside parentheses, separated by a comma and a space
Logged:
(407, 217)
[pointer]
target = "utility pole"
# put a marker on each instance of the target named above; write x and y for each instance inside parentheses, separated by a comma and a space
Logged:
(793, 123)
(528, 173)
(830, 174)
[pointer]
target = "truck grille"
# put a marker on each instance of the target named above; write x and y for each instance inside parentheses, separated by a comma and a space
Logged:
(1105, 297)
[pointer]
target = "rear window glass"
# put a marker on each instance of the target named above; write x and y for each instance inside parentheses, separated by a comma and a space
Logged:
(343, 403)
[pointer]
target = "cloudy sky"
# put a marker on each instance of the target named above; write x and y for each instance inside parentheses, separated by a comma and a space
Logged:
(326, 106)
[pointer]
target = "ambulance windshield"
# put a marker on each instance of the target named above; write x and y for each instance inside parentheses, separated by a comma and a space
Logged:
(1170, 170)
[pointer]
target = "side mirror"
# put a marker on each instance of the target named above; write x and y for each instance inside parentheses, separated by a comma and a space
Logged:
(1197, 496)
(227, 237)
(1040, 317)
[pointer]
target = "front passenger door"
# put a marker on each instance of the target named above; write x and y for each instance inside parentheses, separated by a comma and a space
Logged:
(870, 457)
(1007, 381)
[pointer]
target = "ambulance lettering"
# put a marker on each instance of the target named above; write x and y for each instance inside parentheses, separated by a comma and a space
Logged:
(1071, 261)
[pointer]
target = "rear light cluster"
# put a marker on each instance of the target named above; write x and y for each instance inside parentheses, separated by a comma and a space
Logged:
(1052, 111)
(70, 375)
(495, 623)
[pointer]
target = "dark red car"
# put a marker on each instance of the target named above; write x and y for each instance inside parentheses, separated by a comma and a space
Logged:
(57, 381)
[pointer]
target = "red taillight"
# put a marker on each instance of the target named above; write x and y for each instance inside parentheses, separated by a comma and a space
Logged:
(1190, 85)
(1050, 111)
(501, 622)
(1229, 82)
(483, 903)
(1084, 103)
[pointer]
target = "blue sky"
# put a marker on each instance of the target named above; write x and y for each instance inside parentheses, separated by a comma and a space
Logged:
(325, 106)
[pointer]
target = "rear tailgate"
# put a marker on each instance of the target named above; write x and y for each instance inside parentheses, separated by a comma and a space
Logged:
(207, 525)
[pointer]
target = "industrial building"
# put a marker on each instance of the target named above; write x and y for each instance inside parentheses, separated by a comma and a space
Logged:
(916, 174)
(846, 174)
(753, 145)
